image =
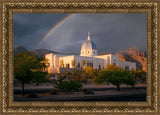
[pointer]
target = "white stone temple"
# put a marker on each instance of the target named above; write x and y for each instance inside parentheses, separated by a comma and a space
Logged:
(89, 55)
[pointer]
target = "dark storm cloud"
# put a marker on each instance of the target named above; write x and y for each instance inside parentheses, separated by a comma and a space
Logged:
(29, 28)
(110, 32)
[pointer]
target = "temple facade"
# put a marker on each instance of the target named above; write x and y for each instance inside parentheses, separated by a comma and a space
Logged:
(88, 57)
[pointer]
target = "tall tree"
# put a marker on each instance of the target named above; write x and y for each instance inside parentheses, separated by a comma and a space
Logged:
(29, 68)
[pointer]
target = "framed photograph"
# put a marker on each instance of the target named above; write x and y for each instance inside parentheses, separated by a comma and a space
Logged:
(72, 57)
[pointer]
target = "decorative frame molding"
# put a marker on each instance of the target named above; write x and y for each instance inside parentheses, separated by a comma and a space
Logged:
(9, 7)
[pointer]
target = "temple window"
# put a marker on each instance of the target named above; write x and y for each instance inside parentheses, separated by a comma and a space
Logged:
(90, 64)
(126, 67)
(78, 65)
(99, 66)
(67, 65)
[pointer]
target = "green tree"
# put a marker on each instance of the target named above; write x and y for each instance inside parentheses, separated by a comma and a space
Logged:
(29, 68)
(121, 77)
(128, 78)
(114, 76)
(116, 79)
(103, 76)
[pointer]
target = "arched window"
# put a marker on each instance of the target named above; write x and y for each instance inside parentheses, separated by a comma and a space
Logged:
(88, 51)
(78, 65)
(89, 63)
(126, 67)
(67, 65)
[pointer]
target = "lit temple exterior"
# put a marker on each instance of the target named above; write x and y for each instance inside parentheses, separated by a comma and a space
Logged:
(88, 57)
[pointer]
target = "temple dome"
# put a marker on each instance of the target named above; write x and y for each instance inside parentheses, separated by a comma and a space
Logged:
(88, 44)
(88, 48)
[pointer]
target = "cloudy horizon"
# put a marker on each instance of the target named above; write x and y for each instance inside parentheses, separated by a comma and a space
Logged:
(110, 32)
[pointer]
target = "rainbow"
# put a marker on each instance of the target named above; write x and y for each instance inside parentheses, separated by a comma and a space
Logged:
(54, 28)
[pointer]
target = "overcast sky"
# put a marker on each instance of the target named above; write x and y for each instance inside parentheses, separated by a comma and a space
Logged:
(110, 32)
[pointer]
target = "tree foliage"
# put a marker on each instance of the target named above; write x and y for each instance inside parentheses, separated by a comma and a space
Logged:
(69, 86)
(90, 72)
(114, 75)
(102, 77)
(29, 68)
(139, 75)
(78, 76)
(113, 67)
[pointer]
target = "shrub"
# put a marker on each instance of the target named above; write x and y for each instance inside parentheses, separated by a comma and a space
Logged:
(69, 86)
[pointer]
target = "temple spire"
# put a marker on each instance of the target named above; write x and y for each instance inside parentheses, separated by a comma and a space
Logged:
(88, 35)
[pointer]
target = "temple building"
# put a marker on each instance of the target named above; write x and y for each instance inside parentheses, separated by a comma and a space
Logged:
(88, 57)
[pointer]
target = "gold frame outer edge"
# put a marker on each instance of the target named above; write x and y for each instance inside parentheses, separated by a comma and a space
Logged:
(8, 106)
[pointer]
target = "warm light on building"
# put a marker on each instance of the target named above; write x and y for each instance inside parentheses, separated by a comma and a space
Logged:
(88, 53)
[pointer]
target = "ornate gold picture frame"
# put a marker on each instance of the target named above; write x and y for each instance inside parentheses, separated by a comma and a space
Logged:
(9, 7)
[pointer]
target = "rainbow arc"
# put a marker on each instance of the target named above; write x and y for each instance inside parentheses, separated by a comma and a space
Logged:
(54, 28)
